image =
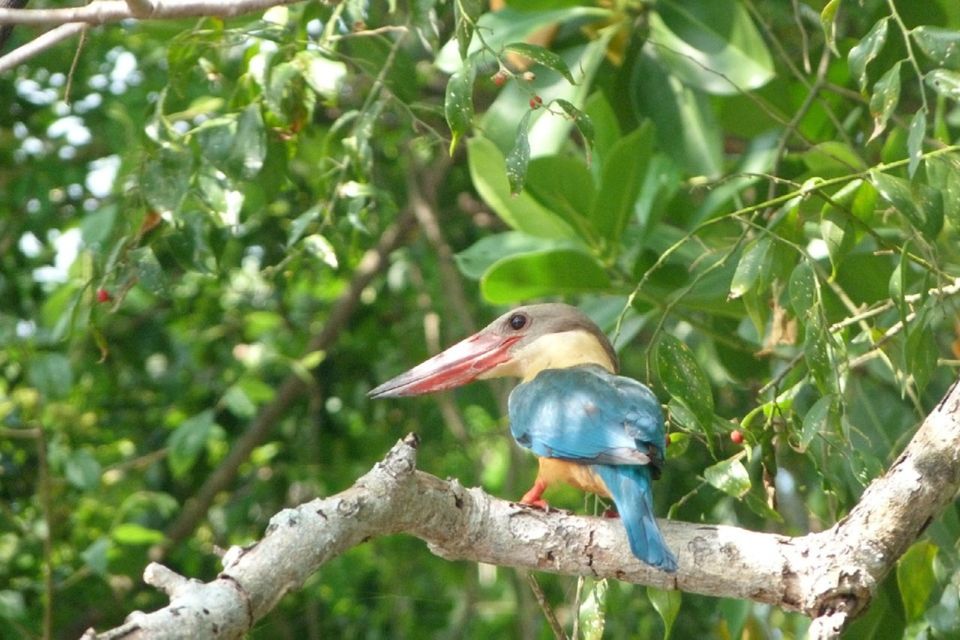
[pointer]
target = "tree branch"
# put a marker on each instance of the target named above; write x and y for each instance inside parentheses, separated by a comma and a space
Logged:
(829, 576)
(69, 21)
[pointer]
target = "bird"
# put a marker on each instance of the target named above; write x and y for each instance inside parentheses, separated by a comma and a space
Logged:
(590, 427)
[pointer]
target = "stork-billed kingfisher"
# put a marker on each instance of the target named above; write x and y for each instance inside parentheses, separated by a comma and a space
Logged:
(589, 427)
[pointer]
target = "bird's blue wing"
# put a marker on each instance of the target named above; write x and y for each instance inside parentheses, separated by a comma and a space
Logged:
(588, 415)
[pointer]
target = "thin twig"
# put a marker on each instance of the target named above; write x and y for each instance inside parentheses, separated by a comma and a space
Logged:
(548, 612)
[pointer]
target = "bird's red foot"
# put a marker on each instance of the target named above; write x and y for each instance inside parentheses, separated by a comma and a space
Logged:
(534, 497)
(610, 513)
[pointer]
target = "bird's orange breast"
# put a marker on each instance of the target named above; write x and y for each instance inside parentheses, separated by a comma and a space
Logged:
(576, 475)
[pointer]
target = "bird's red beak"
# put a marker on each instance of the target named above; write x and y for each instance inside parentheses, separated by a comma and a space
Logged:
(455, 366)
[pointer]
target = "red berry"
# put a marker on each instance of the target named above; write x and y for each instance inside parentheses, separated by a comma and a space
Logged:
(103, 295)
(736, 436)
(535, 102)
(499, 78)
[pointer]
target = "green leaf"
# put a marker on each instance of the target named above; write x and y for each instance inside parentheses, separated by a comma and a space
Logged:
(235, 143)
(730, 476)
(828, 20)
(917, 129)
(711, 46)
(817, 419)
(667, 603)
(917, 579)
(149, 271)
(753, 266)
(474, 261)
(946, 83)
(838, 234)
(624, 169)
(165, 178)
(132, 534)
(819, 354)
(884, 100)
(582, 121)
(687, 129)
(466, 13)
(564, 185)
(922, 205)
(95, 555)
(51, 374)
(521, 212)
(683, 379)
(187, 441)
(866, 50)
(458, 102)
(943, 174)
(542, 56)
(545, 273)
(939, 44)
(593, 612)
(519, 156)
(921, 355)
(832, 158)
(606, 126)
(82, 470)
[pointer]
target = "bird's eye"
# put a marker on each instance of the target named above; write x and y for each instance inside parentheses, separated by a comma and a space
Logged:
(517, 321)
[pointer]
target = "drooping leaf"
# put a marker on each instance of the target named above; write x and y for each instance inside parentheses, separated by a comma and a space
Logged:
(519, 156)
(682, 377)
(819, 353)
(866, 50)
(754, 263)
(466, 14)
(667, 603)
(730, 476)
(917, 579)
(543, 56)
(916, 131)
(921, 355)
(711, 46)
(458, 102)
(828, 20)
(582, 121)
(544, 273)
(816, 420)
(593, 612)
(884, 99)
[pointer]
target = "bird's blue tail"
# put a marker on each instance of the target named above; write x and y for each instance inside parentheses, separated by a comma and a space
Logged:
(632, 494)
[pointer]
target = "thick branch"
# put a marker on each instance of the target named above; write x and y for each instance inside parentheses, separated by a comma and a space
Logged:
(829, 576)
(104, 11)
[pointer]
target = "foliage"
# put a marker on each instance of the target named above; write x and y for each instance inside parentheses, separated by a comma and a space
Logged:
(759, 200)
